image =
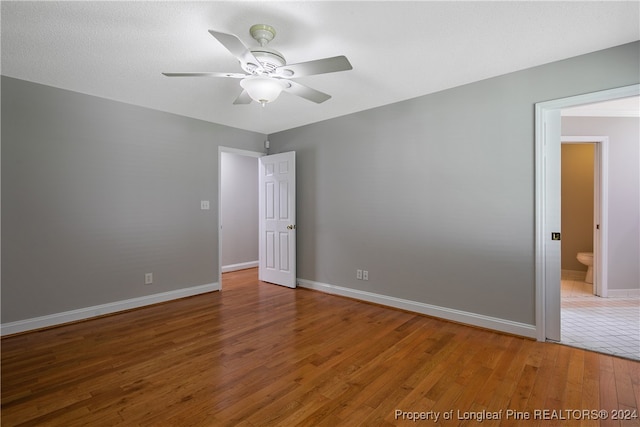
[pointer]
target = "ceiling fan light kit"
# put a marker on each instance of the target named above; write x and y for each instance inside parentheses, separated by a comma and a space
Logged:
(267, 70)
(262, 89)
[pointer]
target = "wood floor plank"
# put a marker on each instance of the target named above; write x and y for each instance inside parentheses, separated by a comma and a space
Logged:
(590, 396)
(258, 355)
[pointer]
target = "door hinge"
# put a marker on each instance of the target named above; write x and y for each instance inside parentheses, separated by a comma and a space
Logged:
(555, 236)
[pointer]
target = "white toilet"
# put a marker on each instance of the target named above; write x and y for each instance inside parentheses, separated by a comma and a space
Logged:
(586, 258)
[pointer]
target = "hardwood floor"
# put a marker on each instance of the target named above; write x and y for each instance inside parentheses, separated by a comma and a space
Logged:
(257, 354)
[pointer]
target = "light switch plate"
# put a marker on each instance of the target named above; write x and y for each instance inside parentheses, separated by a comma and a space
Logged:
(204, 205)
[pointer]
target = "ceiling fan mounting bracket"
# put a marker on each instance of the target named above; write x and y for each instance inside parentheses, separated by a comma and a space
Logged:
(262, 33)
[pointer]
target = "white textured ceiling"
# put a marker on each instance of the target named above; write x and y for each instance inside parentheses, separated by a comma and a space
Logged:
(399, 50)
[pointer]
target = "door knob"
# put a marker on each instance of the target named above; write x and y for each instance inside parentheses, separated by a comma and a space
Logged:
(291, 227)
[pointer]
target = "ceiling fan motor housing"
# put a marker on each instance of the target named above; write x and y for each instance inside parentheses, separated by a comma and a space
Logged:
(270, 59)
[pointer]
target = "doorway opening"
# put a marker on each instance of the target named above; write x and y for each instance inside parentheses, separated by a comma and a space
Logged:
(256, 214)
(584, 210)
(237, 210)
(548, 202)
(588, 320)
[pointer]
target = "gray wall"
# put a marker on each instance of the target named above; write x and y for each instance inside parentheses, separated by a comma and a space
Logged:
(97, 193)
(435, 195)
(239, 209)
(624, 192)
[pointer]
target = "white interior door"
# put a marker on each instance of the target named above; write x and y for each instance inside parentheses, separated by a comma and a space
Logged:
(277, 225)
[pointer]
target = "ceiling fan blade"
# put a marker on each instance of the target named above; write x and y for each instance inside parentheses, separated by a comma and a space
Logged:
(237, 49)
(319, 66)
(207, 74)
(243, 98)
(306, 92)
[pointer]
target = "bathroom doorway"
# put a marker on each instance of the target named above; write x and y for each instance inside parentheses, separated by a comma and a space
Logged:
(584, 168)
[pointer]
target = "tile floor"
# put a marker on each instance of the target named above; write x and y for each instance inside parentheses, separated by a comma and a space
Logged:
(606, 325)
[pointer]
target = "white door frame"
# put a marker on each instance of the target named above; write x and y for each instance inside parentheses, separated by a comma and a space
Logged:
(240, 152)
(547, 209)
(600, 208)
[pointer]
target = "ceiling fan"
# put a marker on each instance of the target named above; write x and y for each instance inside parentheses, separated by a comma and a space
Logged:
(267, 72)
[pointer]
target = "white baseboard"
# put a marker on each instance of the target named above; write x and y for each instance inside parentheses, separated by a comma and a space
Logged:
(240, 266)
(99, 310)
(623, 293)
(473, 319)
